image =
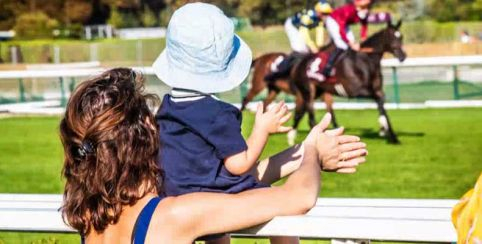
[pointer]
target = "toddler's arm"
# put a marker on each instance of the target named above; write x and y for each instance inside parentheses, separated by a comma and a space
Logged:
(266, 123)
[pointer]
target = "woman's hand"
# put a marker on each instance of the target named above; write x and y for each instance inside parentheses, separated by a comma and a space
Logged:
(273, 119)
(337, 152)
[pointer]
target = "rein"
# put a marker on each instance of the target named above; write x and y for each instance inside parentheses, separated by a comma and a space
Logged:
(368, 50)
(375, 40)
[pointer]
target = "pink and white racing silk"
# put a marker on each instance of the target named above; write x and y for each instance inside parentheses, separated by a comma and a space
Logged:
(347, 15)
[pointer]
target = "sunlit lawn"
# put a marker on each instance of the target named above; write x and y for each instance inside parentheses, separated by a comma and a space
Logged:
(439, 158)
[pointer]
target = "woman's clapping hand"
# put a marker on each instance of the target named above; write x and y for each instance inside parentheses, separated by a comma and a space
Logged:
(337, 152)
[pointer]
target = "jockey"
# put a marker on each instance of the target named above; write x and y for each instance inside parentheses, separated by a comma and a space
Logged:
(298, 29)
(338, 26)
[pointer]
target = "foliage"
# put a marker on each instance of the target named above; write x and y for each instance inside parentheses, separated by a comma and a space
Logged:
(165, 15)
(450, 10)
(35, 25)
(148, 18)
(270, 11)
(77, 11)
(134, 13)
(115, 18)
(129, 20)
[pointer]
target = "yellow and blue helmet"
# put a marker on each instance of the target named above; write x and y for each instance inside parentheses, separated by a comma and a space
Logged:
(308, 18)
(323, 7)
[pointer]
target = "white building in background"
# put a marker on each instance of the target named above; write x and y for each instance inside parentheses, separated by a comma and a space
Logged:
(7, 35)
(107, 31)
(98, 31)
(141, 33)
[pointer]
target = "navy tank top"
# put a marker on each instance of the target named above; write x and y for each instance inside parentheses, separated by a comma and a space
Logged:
(141, 226)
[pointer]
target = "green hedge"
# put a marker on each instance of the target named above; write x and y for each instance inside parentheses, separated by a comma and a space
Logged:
(433, 32)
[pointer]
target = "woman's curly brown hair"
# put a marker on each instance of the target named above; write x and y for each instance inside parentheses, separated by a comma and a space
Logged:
(110, 145)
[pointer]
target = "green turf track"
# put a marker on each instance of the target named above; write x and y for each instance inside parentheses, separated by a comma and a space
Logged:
(439, 158)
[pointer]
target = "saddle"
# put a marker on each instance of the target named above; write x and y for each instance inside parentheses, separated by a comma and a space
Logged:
(282, 65)
(316, 66)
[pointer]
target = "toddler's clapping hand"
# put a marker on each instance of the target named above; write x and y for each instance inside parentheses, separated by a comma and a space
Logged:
(273, 119)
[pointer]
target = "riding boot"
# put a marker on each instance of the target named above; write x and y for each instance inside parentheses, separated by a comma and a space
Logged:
(331, 62)
(284, 68)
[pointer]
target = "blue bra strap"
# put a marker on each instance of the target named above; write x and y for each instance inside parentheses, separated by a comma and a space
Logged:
(142, 224)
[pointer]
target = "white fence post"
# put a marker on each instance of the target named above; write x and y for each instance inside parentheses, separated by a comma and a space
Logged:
(139, 52)
(56, 54)
(88, 33)
(93, 52)
(109, 31)
(101, 31)
(13, 54)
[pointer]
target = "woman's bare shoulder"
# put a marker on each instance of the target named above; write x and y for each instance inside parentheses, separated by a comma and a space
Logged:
(171, 222)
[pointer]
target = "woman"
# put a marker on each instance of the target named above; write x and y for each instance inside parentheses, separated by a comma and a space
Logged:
(111, 143)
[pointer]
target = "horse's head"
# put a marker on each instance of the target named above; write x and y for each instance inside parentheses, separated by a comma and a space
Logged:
(394, 40)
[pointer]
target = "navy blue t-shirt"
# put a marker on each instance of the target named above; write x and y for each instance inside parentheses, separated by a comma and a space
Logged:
(196, 137)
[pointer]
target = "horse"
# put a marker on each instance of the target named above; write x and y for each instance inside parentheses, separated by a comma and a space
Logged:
(261, 67)
(358, 75)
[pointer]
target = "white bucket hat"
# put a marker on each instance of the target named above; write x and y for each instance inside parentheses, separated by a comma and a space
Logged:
(202, 52)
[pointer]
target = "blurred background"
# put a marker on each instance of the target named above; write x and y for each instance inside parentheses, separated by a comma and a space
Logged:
(111, 33)
(47, 47)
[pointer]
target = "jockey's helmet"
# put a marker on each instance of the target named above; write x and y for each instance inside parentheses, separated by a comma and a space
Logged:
(308, 17)
(323, 7)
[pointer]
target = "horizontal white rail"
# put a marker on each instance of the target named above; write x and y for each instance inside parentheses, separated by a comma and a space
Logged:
(423, 220)
(87, 71)
(79, 65)
(434, 61)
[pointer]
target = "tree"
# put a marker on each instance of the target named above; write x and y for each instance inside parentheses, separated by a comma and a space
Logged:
(148, 18)
(115, 18)
(269, 11)
(35, 25)
(476, 11)
(455, 10)
(77, 11)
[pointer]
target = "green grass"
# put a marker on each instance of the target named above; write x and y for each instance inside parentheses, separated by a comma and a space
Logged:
(439, 158)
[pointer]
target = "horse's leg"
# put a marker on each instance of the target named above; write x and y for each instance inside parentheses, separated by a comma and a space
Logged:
(258, 85)
(300, 110)
(328, 99)
(310, 105)
(272, 93)
(385, 122)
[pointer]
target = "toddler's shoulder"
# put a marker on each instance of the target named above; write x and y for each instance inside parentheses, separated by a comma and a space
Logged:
(227, 107)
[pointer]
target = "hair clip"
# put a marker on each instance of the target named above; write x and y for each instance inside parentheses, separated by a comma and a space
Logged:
(86, 148)
(133, 75)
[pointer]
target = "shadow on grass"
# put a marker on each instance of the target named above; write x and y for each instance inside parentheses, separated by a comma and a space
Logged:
(373, 134)
(367, 133)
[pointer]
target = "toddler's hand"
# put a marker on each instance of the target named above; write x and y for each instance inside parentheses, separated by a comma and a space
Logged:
(273, 119)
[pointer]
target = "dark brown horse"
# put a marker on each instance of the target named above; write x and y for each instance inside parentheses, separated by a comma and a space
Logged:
(261, 67)
(358, 75)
